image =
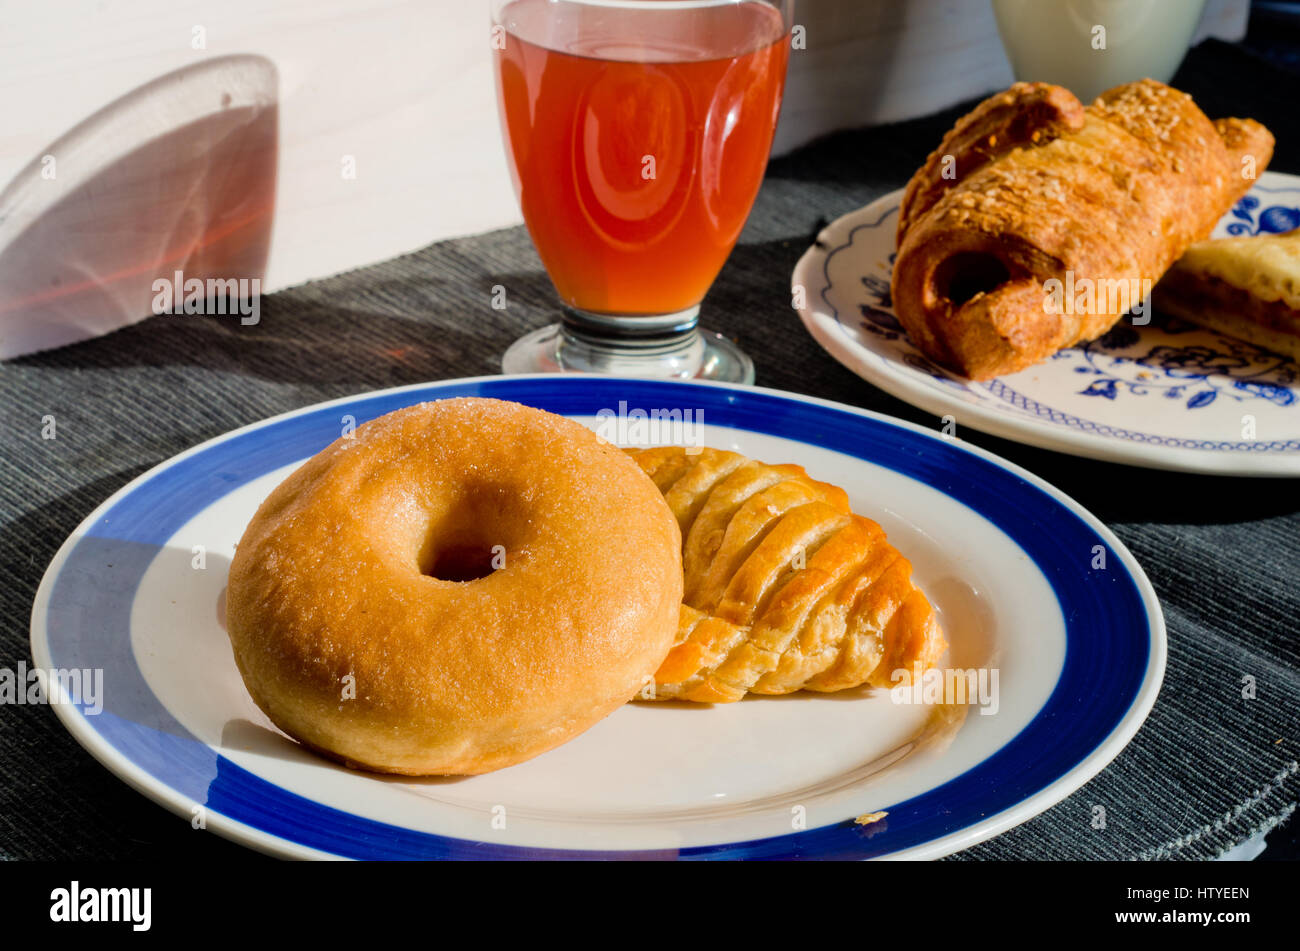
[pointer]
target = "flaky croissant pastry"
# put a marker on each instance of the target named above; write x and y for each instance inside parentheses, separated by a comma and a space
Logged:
(785, 588)
(1031, 186)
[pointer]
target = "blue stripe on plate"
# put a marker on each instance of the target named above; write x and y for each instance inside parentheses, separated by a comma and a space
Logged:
(1108, 635)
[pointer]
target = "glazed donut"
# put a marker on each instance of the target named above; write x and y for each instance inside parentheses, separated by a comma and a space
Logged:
(453, 588)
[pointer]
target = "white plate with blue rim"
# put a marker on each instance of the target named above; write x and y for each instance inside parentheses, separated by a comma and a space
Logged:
(1051, 621)
(1166, 395)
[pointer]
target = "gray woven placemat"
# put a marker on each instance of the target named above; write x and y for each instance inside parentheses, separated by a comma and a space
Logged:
(1208, 770)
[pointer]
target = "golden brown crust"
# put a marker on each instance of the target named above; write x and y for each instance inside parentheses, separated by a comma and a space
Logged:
(786, 589)
(1025, 114)
(328, 589)
(1265, 266)
(1246, 287)
(1116, 200)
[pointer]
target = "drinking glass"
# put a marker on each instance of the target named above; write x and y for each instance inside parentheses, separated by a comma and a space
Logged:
(638, 132)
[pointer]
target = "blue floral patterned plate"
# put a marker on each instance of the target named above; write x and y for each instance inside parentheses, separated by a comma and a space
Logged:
(1167, 395)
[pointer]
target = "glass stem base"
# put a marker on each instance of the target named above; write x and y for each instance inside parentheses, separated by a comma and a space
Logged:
(671, 346)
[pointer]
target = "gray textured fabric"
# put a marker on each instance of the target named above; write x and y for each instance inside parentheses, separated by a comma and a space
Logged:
(1208, 770)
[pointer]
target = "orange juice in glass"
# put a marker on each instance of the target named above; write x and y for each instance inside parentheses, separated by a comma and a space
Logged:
(637, 132)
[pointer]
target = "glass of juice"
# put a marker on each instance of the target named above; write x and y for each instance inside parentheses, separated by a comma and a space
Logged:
(638, 132)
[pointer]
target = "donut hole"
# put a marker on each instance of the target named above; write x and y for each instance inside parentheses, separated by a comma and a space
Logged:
(966, 275)
(475, 532)
(461, 562)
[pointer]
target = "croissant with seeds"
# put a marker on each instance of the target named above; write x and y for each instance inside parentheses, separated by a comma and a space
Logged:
(785, 588)
(1032, 193)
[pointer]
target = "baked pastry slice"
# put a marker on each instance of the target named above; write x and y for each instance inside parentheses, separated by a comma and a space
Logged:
(1111, 194)
(785, 588)
(1248, 288)
(1027, 114)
